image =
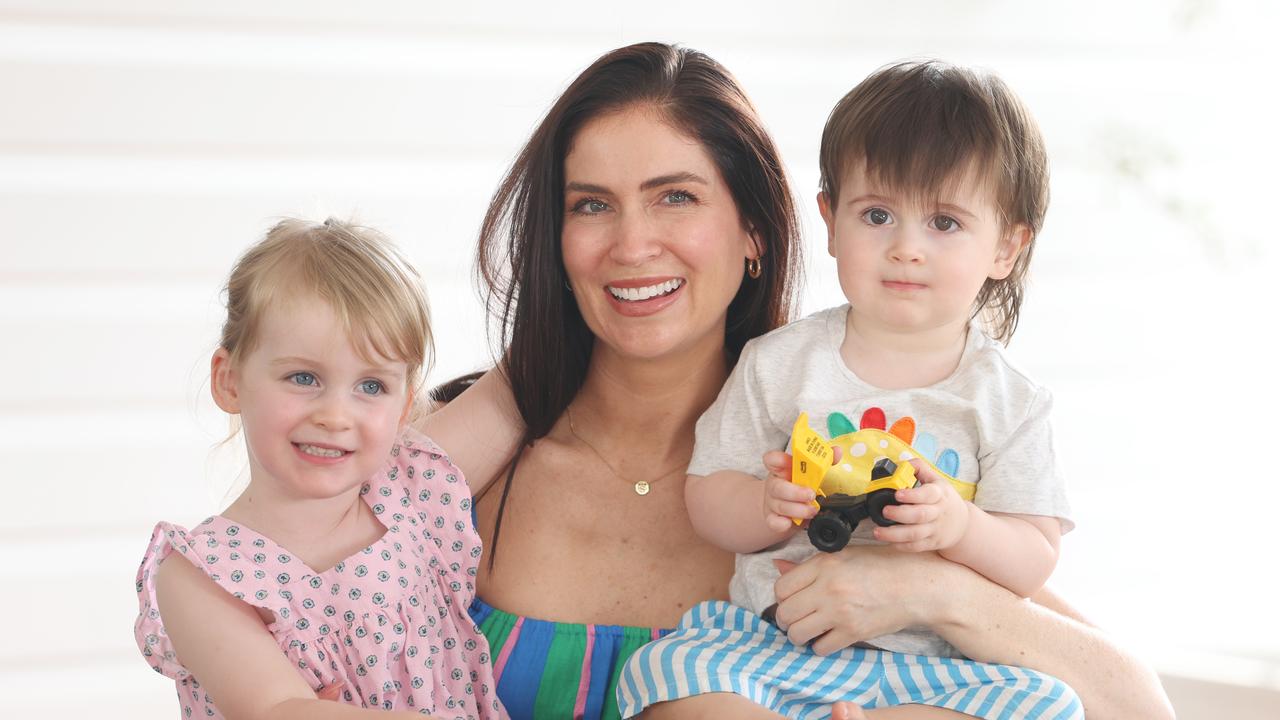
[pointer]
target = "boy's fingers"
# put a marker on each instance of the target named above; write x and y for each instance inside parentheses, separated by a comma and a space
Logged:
(925, 472)
(787, 490)
(778, 463)
(924, 494)
(803, 511)
(778, 523)
(902, 533)
(911, 514)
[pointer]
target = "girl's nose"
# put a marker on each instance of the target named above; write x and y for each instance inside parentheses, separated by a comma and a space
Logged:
(331, 412)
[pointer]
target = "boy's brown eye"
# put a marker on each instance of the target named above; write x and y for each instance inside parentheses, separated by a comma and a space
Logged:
(944, 223)
(876, 216)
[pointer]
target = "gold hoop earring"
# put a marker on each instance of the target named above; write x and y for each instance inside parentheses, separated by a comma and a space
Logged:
(753, 268)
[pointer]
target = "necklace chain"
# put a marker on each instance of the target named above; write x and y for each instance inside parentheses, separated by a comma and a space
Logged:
(641, 487)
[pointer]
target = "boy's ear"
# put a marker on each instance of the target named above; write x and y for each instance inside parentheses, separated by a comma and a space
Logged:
(222, 382)
(829, 218)
(1017, 240)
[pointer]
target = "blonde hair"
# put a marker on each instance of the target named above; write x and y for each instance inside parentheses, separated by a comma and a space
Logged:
(374, 291)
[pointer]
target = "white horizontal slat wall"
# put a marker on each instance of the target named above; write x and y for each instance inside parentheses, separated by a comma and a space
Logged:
(144, 144)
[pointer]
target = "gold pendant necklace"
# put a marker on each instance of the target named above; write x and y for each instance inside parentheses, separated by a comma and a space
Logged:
(642, 487)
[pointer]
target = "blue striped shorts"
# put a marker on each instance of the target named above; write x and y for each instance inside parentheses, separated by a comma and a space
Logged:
(720, 647)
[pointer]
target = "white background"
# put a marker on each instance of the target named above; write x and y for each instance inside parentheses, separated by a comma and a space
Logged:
(145, 143)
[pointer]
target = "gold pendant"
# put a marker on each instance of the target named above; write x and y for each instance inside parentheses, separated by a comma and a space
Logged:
(642, 487)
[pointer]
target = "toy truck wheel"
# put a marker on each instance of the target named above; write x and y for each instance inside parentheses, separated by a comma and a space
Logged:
(877, 502)
(829, 531)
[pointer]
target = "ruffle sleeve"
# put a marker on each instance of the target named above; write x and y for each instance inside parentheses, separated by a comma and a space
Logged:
(213, 551)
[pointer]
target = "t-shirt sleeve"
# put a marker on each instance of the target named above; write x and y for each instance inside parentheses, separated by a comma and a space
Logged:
(736, 431)
(1022, 475)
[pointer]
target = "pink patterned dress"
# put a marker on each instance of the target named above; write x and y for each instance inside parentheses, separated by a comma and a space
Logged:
(390, 622)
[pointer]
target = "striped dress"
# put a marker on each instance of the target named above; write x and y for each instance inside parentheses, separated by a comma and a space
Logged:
(552, 670)
(719, 647)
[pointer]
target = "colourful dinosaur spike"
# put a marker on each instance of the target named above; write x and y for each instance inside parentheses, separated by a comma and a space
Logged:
(949, 462)
(873, 418)
(904, 428)
(927, 445)
(838, 424)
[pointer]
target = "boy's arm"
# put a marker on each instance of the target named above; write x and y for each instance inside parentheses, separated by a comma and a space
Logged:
(480, 430)
(224, 644)
(1016, 551)
(739, 512)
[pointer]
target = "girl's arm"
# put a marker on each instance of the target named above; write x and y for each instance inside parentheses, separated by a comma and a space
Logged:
(224, 643)
(862, 592)
(480, 429)
(741, 513)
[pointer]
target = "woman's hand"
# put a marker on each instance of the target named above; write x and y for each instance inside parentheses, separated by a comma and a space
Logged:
(838, 599)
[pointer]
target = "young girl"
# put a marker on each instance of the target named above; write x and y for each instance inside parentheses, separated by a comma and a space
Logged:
(934, 185)
(347, 565)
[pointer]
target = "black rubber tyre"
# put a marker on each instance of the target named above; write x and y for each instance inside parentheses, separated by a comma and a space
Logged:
(829, 531)
(877, 502)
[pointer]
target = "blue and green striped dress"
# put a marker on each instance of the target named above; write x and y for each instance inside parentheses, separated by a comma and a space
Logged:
(549, 670)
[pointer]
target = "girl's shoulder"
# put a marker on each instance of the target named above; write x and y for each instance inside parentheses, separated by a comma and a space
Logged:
(246, 565)
(422, 469)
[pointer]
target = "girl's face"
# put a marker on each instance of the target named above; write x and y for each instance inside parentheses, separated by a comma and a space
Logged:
(906, 268)
(653, 243)
(318, 418)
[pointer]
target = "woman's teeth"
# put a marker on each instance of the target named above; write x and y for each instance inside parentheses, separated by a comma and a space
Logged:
(319, 451)
(646, 292)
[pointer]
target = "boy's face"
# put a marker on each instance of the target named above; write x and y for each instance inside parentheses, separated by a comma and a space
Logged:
(911, 268)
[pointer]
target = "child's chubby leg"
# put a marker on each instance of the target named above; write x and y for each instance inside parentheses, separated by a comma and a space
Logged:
(851, 711)
(710, 706)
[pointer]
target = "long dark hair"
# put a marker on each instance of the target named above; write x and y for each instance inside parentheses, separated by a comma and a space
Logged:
(546, 344)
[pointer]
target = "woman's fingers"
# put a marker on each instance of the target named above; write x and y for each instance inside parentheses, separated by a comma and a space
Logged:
(330, 692)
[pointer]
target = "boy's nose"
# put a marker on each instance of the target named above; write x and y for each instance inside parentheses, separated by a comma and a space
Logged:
(906, 247)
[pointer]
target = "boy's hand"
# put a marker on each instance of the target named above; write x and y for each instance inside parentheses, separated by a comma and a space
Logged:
(932, 516)
(783, 499)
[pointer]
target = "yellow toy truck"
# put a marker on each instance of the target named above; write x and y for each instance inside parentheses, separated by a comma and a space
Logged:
(872, 468)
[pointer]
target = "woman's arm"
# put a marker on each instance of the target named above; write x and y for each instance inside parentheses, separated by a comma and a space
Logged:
(480, 429)
(863, 592)
(223, 642)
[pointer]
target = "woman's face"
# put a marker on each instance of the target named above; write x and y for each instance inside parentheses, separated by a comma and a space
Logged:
(653, 243)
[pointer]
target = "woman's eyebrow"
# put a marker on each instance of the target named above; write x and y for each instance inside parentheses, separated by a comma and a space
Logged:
(586, 188)
(672, 178)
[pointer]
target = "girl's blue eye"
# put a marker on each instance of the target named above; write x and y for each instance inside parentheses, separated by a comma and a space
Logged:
(371, 387)
(877, 216)
(303, 378)
(945, 223)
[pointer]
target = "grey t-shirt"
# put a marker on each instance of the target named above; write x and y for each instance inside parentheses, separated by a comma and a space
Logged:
(992, 415)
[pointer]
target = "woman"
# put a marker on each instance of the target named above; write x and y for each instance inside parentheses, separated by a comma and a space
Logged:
(643, 235)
